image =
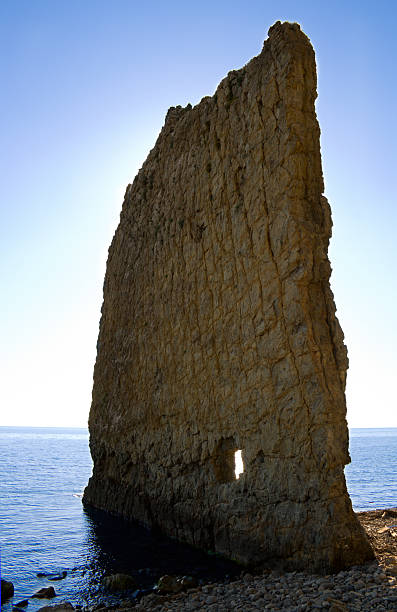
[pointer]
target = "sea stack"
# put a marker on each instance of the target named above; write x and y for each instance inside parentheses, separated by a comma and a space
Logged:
(218, 331)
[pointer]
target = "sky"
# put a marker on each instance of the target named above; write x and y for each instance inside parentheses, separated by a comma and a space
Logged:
(85, 87)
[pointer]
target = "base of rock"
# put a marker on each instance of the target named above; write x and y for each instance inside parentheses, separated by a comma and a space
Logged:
(319, 553)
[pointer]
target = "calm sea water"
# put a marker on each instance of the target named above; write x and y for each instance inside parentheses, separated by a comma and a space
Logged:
(371, 476)
(44, 527)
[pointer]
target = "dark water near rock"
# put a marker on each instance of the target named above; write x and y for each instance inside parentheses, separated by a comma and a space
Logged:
(44, 527)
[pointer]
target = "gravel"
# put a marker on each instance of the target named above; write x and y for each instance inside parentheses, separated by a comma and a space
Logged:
(359, 589)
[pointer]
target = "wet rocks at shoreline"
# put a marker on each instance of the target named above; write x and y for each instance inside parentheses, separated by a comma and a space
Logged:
(174, 584)
(62, 607)
(369, 587)
(22, 604)
(119, 582)
(357, 589)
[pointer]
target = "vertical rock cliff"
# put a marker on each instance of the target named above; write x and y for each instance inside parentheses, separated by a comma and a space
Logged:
(218, 330)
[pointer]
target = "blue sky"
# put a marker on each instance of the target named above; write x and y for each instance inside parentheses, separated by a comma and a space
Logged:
(85, 89)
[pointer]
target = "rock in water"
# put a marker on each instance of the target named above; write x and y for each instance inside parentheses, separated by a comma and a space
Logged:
(60, 576)
(45, 593)
(62, 607)
(218, 331)
(119, 582)
(7, 589)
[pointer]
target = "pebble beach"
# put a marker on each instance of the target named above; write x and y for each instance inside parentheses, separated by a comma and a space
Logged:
(369, 587)
(372, 586)
(360, 588)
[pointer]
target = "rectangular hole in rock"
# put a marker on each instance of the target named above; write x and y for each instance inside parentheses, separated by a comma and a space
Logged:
(238, 464)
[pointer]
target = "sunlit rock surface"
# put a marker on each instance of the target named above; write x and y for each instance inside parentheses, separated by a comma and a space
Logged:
(218, 331)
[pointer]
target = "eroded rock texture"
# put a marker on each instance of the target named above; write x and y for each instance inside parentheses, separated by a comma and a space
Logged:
(218, 330)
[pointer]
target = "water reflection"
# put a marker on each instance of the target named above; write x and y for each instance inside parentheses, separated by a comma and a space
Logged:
(113, 545)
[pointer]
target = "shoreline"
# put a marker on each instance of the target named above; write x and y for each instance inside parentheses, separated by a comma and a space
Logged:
(372, 586)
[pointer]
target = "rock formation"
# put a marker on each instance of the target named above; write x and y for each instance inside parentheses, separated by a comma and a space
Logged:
(218, 331)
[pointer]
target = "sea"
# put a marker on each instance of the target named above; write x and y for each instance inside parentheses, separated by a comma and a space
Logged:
(46, 531)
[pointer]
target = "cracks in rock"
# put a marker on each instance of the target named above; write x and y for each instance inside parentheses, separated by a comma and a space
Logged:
(274, 261)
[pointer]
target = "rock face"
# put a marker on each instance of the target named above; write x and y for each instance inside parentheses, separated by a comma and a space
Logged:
(218, 331)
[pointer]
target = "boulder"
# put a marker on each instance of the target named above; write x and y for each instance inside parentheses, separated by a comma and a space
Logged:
(45, 593)
(7, 589)
(119, 582)
(52, 575)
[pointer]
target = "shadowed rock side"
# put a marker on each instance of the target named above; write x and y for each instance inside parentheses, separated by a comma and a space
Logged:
(218, 331)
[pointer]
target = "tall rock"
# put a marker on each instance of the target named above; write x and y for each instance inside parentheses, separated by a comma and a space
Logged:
(218, 331)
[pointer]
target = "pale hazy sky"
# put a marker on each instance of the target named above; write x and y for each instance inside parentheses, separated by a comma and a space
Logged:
(85, 89)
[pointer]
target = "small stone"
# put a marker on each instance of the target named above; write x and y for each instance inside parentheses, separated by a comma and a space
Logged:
(45, 593)
(169, 584)
(188, 582)
(379, 578)
(60, 576)
(324, 586)
(389, 513)
(247, 578)
(337, 606)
